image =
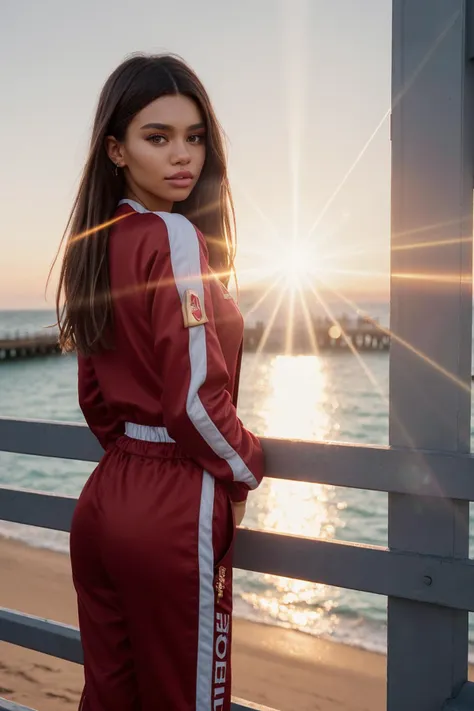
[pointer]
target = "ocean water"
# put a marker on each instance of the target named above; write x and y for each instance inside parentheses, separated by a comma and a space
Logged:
(332, 396)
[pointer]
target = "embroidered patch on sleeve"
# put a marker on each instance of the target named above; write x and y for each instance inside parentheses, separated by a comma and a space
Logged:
(194, 313)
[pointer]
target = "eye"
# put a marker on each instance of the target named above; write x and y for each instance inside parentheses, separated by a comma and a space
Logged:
(156, 139)
(196, 138)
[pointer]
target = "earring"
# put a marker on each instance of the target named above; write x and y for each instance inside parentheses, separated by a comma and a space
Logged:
(116, 169)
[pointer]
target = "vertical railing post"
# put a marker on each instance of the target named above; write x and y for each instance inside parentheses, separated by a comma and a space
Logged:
(431, 311)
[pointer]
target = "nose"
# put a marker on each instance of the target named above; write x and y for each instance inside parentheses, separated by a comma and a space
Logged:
(180, 155)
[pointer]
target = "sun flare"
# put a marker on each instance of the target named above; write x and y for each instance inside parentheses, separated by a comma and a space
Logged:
(296, 265)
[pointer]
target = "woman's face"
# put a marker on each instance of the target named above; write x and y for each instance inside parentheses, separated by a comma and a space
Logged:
(163, 152)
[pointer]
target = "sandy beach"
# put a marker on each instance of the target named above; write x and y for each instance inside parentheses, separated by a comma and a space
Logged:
(282, 669)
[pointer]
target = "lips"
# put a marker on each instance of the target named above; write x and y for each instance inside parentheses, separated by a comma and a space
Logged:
(181, 180)
(181, 175)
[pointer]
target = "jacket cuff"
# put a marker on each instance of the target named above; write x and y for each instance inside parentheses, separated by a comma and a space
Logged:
(238, 493)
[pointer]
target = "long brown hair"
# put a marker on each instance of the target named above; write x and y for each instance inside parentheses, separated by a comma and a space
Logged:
(84, 299)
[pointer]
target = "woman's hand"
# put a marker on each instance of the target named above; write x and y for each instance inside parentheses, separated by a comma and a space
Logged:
(239, 511)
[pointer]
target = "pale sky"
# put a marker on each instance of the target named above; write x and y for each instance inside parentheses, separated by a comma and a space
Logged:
(300, 87)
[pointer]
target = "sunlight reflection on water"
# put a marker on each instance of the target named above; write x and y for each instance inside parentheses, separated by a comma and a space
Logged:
(298, 404)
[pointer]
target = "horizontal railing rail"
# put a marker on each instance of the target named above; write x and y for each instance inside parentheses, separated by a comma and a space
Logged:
(377, 468)
(6, 705)
(237, 705)
(374, 569)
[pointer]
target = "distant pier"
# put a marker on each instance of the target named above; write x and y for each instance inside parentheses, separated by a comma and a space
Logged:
(25, 345)
(326, 336)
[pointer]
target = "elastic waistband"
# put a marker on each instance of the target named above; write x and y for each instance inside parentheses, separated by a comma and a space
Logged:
(146, 433)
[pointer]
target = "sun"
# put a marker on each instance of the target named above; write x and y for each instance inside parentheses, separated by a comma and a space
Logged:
(292, 264)
(296, 266)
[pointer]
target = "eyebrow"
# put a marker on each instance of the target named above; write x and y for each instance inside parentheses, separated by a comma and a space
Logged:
(167, 127)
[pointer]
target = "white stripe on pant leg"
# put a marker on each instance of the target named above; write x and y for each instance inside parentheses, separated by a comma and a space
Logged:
(206, 597)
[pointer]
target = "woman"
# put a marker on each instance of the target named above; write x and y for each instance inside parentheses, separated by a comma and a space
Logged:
(158, 338)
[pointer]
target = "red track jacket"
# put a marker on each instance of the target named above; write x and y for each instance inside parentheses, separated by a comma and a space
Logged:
(178, 339)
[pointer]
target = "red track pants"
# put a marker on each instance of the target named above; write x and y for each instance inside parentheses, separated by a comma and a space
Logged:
(151, 552)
